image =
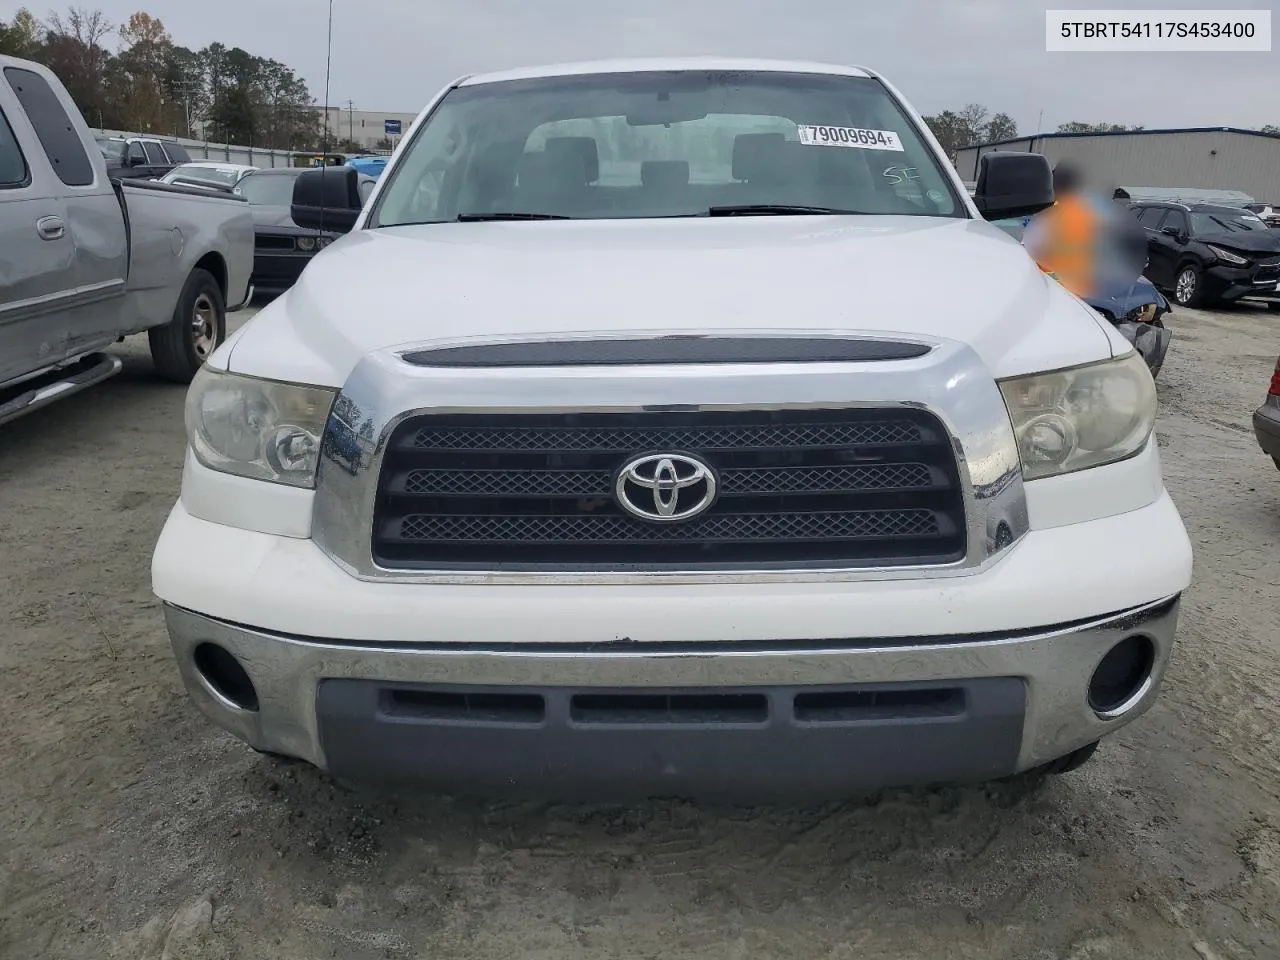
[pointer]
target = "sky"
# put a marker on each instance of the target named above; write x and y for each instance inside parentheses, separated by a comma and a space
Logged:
(394, 55)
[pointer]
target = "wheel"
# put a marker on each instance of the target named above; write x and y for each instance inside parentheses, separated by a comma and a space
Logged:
(199, 324)
(1188, 286)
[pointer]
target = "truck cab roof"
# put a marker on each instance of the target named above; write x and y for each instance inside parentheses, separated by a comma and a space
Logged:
(664, 64)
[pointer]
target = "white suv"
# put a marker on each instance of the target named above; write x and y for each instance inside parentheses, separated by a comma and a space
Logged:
(674, 427)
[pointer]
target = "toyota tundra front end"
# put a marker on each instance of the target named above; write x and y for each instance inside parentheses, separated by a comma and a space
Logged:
(618, 449)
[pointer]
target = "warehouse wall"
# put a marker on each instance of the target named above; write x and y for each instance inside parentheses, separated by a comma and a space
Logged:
(365, 127)
(1214, 160)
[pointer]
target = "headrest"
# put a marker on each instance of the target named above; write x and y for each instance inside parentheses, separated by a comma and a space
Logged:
(751, 151)
(845, 167)
(531, 166)
(664, 173)
(496, 163)
(576, 149)
(542, 173)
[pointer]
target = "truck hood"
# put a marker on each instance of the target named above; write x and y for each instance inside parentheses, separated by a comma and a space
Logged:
(959, 279)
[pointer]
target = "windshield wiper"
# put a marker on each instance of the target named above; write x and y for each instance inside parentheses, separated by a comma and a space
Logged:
(481, 217)
(775, 209)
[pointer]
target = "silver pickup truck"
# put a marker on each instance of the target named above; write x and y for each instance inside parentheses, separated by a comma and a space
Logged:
(86, 261)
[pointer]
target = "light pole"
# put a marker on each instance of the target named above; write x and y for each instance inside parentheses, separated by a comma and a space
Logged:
(328, 66)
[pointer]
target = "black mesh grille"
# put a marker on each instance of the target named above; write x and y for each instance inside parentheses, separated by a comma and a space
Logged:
(813, 487)
(624, 440)
(734, 527)
(270, 241)
(599, 483)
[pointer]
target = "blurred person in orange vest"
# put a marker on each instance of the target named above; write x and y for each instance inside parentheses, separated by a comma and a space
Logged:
(1068, 239)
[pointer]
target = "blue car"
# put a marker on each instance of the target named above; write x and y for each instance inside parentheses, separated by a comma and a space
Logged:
(1136, 308)
(369, 166)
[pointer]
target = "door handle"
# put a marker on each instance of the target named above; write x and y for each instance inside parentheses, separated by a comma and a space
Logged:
(51, 228)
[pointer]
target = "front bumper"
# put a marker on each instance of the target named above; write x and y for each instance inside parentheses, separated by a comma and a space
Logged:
(1240, 283)
(1266, 427)
(274, 272)
(741, 720)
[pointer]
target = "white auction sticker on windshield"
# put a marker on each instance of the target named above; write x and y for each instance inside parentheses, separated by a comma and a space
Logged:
(856, 137)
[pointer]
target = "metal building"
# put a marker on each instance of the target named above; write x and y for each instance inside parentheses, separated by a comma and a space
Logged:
(367, 128)
(1214, 158)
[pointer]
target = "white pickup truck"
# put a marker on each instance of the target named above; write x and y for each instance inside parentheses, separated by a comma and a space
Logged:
(86, 261)
(674, 428)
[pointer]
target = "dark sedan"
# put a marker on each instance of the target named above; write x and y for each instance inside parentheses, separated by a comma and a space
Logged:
(281, 248)
(1204, 253)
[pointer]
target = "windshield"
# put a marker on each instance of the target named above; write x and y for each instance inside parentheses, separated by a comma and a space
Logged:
(669, 144)
(1225, 223)
(193, 171)
(111, 147)
(270, 190)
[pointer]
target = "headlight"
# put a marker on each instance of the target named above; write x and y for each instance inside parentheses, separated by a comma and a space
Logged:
(261, 429)
(1143, 314)
(1083, 417)
(1226, 256)
(306, 243)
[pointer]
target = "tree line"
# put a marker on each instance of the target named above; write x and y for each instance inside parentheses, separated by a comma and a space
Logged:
(975, 124)
(133, 77)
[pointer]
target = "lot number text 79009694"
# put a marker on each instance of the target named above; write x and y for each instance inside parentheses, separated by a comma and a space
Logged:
(856, 137)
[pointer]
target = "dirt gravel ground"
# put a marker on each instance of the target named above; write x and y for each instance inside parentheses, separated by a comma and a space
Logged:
(130, 828)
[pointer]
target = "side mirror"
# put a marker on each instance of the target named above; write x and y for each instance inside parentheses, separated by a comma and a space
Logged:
(1172, 232)
(327, 198)
(1012, 184)
(133, 161)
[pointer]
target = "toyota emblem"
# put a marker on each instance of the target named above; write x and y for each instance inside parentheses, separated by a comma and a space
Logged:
(665, 487)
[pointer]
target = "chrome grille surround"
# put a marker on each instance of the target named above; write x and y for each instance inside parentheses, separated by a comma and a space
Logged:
(949, 382)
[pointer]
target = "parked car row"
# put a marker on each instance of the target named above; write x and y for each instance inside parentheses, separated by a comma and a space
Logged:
(141, 158)
(1269, 212)
(210, 174)
(1205, 253)
(105, 237)
(282, 248)
(91, 259)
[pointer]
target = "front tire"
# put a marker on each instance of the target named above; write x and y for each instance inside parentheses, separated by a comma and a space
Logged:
(199, 325)
(1188, 286)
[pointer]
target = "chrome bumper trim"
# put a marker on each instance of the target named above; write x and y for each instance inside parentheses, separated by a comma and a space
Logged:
(1056, 664)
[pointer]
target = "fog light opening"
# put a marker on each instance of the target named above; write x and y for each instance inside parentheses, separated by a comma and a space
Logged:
(1123, 677)
(225, 677)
